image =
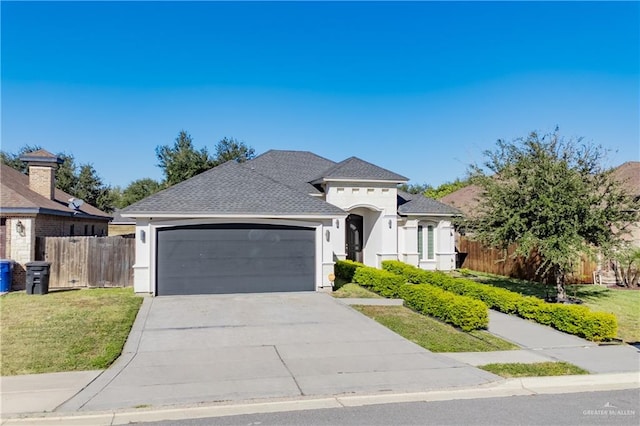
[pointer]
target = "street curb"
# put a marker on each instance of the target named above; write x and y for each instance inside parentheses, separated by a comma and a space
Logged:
(129, 351)
(504, 388)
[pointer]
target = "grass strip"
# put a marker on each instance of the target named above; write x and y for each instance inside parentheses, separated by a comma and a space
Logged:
(64, 330)
(537, 369)
(432, 334)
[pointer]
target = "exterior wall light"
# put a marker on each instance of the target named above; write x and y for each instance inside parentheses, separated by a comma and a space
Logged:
(327, 235)
(20, 228)
(337, 223)
(390, 224)
(143, 236)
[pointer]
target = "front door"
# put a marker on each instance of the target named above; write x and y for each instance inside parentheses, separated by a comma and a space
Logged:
(354, 237)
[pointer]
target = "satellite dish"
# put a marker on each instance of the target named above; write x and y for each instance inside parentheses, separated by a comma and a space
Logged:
(75, 203)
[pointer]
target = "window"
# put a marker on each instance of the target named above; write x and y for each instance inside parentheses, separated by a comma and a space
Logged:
(93, 230)
(86, 229)
(430, 243)
(72, 230)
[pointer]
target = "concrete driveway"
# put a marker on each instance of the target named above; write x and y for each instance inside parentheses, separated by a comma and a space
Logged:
(191, 349)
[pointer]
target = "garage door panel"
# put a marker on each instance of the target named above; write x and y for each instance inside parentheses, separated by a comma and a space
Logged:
(235, 259)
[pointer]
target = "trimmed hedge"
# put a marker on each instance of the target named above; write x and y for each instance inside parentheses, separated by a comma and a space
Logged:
(461, 311)
(382, 282)
(345, 269)
(464, 312)
(573, 319)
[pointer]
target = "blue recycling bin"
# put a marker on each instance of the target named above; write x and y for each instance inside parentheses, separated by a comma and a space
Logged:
(6, 275)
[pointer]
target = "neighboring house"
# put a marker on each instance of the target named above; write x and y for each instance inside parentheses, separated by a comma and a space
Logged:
(121, 225)
(279, 222)
(628, 174)
(31, 206)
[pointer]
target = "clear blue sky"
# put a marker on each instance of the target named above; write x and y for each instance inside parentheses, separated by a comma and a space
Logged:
(421, 88)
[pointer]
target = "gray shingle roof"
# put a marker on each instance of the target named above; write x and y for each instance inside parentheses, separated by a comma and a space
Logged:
(231, 188)
(355, 168)
(417, 204)
(292, 168)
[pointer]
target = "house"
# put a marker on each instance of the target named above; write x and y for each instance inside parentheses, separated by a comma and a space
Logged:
(279, 222)
(31, 206)
(628, 174)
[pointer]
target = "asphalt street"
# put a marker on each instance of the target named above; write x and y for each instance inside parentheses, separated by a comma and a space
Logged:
(587, 408)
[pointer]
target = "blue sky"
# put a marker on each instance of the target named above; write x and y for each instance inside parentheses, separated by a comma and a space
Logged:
(421, 88)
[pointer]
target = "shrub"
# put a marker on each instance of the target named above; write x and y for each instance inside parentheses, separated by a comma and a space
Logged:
(382, 282)
(464, 312)
(573, 319)
(344, 269)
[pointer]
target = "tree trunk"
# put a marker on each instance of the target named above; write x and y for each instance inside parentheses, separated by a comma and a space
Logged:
(561, 291)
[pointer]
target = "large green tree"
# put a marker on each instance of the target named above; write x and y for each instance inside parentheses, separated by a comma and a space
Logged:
(181, 160)
(137, 190)
(554, 198)
(230, 149)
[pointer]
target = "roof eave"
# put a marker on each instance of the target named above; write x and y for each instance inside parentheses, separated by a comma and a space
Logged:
(52, 212)
(359, 180)
(178, 215)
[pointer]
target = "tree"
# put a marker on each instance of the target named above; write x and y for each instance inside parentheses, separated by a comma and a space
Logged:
(445, 189)
(229, 149)
(137, 190)
(182, 161)
(552, 197)
(67, 174)
(90, 189)
(414, 188)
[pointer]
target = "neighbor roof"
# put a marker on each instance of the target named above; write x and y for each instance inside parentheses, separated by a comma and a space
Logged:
(465, 199)
(357, 169)
(232, 189)
(417, 204)
(17, 197)
(292, 168)
(629, 175)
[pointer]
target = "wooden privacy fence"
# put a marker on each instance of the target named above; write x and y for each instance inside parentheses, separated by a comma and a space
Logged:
(88, 261)
(475, 256)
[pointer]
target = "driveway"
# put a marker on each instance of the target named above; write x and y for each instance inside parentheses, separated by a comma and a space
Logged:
(191, 349)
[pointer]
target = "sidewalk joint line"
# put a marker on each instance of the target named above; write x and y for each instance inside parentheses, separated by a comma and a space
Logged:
(290, 373)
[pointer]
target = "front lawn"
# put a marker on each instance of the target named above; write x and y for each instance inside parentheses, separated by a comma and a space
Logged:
(432, 334)
(64, 330)
(537, 369)
(624, 304)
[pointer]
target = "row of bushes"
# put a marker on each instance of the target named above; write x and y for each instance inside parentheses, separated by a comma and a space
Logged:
(461, 311)
(573, 319)
(344, 269)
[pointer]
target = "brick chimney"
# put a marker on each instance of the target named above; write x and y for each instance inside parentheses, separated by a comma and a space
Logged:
(42, 172)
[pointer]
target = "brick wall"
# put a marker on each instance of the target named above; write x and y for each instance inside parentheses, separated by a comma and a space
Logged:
(42, 180)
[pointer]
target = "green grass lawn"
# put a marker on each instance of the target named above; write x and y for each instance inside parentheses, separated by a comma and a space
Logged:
(351, 290)
(624, 304)
(432, 334)
(64, 330)
(534, 370)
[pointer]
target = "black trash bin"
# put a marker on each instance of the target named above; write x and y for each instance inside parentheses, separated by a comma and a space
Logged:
(38, 277)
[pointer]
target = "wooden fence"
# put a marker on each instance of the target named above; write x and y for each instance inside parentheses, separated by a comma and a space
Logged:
(88, 261)
(473, 255)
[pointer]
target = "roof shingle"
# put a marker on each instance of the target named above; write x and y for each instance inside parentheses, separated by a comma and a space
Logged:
(228, 189)
(355, 168)
(416, 204)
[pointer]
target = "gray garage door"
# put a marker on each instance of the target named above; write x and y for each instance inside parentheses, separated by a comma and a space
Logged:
(235, 258)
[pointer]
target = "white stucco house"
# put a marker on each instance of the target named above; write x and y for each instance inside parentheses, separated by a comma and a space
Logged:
(279, 222)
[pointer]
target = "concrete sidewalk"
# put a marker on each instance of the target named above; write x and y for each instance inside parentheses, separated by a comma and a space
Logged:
(48, 392)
